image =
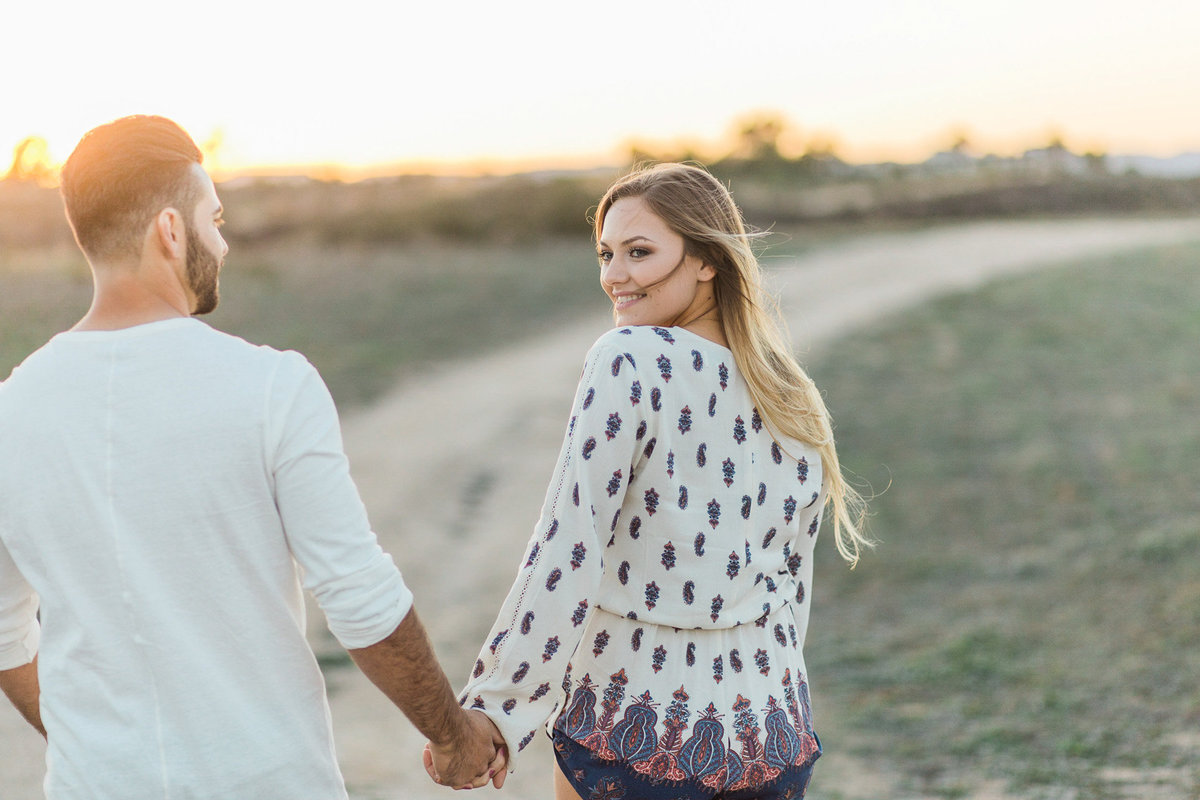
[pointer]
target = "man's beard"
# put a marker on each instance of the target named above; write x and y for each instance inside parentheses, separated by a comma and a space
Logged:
(203, 269)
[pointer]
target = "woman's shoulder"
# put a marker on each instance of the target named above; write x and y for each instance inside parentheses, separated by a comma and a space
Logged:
(657, 351)
(641, 340)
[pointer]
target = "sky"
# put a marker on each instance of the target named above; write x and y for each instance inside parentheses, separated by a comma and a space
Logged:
(357, 85)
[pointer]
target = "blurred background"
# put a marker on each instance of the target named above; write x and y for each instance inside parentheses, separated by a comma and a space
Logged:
(408, 190)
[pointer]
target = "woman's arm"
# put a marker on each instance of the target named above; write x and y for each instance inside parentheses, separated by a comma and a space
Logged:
(518, 677)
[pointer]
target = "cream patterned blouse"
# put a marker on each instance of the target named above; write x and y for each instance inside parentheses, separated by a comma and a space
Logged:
(659, 612)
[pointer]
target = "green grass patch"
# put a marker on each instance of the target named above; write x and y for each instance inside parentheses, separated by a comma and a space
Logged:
(40, 296)
(1033, 611)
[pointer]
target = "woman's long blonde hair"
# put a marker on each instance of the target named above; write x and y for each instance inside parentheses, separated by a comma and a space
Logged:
(699, 208)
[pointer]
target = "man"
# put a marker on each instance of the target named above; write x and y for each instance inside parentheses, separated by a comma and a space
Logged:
(165, 489)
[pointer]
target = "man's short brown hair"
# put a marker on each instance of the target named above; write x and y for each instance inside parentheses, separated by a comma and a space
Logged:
(121, 175)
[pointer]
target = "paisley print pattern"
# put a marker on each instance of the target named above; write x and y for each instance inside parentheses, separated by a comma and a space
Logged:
(671, 749)
(660, 605)
(664, 368)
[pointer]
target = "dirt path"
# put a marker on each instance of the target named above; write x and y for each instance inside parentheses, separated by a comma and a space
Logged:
(452, 467)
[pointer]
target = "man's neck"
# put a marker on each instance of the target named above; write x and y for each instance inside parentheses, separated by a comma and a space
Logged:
(124, 299)
(95, 320)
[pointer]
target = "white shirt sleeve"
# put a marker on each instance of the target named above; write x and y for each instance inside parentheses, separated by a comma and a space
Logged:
(19, 629)
(356, 583)
(518, 678)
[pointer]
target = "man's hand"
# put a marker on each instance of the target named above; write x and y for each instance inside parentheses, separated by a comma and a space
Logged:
(456, 764)
(404, 667)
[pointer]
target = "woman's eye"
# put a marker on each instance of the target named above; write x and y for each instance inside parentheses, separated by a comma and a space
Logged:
(605, 256)
(639, 252)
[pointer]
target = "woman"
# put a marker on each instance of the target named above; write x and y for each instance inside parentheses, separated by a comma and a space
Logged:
(661, 606)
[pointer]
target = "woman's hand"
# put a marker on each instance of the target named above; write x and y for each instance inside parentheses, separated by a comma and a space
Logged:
(445, 765)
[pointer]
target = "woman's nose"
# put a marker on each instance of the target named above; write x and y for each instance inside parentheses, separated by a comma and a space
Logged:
(613, 273)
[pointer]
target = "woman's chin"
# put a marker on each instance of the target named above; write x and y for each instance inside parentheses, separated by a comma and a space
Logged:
(629, 320)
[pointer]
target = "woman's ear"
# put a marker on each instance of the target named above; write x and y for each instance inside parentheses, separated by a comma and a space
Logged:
(707, 272)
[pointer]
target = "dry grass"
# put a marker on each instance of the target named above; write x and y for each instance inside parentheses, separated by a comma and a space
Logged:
(1033, 615)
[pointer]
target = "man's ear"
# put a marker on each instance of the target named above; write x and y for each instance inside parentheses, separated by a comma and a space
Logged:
(169, 234)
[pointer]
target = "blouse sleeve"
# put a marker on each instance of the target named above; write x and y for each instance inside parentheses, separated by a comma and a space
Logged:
(518, 677)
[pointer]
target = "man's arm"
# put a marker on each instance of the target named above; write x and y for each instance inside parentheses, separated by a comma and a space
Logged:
(20, 685)
(405, 669)
(357, 585)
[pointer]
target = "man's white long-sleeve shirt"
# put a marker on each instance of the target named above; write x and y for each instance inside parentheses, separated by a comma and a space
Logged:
(165, 490)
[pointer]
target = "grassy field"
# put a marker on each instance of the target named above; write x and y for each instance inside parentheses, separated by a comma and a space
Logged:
(1033, 615)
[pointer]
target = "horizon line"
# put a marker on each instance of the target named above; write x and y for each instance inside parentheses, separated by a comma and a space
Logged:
(483, 167)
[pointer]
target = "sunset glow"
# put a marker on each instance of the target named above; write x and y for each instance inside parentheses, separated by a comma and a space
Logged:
(538, 84)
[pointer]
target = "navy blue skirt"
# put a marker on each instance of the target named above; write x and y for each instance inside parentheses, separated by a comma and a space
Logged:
(596, 778)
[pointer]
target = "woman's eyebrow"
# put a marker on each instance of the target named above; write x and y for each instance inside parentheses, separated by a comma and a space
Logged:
(629, 241)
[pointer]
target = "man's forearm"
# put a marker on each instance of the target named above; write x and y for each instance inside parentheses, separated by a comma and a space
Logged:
(406, 670)
(20, 685)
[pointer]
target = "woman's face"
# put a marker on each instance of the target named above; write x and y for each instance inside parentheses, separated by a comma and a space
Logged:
(645, 272)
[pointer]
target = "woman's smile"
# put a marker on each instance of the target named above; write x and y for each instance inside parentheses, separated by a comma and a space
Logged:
(646, 271)
(624, 301)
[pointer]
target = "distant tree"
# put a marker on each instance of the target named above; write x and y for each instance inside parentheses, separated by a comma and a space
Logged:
(31, 162)
(758, 138)
(640, 154)
(822, 148)
(1056, 144)
(961, 143)
(212, 147)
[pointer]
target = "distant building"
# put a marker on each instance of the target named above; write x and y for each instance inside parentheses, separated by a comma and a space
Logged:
(1182, 166)
(956, 161)
(1054, 159)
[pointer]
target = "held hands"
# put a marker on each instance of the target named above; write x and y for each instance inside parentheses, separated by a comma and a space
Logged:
(477, 756)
